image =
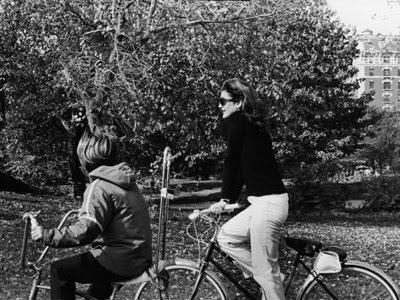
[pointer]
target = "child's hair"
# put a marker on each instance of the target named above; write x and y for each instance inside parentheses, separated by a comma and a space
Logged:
(99, 148)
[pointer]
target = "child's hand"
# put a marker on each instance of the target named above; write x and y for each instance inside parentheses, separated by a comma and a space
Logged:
(36, 230)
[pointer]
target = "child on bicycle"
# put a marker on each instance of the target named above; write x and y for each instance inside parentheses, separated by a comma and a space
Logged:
(250, 161)
(113, 218)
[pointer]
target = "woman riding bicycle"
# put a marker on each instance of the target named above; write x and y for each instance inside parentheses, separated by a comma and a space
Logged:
(250, 161)
(113, 218)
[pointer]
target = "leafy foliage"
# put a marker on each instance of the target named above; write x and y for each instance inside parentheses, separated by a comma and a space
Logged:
(381, 148)
(32, 135)
(383, 193)
(153, 69)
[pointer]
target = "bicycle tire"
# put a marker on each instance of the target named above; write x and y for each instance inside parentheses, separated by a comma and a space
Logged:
(356, 281)
(182, 278)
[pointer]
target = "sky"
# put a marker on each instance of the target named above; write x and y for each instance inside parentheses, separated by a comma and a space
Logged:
(381, 16)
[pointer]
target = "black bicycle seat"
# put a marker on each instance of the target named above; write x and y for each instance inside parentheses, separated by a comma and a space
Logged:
(304, 246)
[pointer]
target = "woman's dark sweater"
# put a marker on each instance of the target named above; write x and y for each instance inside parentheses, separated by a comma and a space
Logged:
(249, 160)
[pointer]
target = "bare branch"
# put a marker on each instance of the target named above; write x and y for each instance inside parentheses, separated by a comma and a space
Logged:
(150, 14)
(129, 4)
(203, 22)
(80, 17)
(99, 30)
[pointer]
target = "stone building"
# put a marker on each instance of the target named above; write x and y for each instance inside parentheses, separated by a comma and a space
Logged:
(379, 66)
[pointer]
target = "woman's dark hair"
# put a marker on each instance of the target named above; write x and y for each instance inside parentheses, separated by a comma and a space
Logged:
(99, 148)
(253, 107)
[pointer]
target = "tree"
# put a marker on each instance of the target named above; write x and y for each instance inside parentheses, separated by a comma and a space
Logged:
(153, 69)
(311, 88)
(158, 66)
(381, 148)
(32, 135)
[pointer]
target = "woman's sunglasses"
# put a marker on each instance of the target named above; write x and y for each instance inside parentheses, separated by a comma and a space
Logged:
(223, 101)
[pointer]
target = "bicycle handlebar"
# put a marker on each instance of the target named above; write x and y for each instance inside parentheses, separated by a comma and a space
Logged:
(197, 213)
(32, 218)
(29, 219)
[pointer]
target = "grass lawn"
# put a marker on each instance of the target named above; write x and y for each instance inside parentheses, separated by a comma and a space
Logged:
(373, 238)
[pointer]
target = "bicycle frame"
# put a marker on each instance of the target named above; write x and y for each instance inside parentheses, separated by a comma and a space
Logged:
(37, 280)
(208, 259)
(214, 247)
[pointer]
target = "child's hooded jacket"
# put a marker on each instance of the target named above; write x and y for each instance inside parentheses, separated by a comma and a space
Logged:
(115, 219)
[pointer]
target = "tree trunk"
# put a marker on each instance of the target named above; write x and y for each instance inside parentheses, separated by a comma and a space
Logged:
(89, 113)
(2, 109)
(2, 125)
(74, 120)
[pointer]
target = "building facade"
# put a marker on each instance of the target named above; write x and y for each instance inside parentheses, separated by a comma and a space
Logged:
(379, 67)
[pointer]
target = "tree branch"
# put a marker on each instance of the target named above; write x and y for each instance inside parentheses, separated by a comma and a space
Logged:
(80, 17)
(150, 15)
(203, 22)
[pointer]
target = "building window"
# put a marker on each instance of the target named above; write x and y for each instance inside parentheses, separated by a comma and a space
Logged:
(371, 71)
(368, 58)
(398, 59)
(398, 85)
(398, 72)
(386, 98)
(386, 86)
(371, 84)
(386, 72)
(386, 59)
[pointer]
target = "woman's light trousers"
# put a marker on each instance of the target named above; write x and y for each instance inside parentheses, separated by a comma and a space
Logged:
(260, 223)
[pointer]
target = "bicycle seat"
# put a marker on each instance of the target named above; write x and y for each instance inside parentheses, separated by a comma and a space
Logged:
(304, 246)
(148, 275)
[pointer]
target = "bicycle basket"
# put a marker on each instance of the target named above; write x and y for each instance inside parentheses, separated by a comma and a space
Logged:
(327, 262)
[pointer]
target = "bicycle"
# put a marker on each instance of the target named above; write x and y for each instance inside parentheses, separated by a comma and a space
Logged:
(331, 276)
(155, 273)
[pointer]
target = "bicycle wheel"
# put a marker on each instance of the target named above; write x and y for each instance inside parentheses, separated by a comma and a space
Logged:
(182, 279)
(356, 281)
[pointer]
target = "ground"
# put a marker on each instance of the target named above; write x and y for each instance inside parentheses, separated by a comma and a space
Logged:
(373, 238)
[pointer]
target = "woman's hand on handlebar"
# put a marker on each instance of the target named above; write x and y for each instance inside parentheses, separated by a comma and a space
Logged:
(218, 207)
(214, 209)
